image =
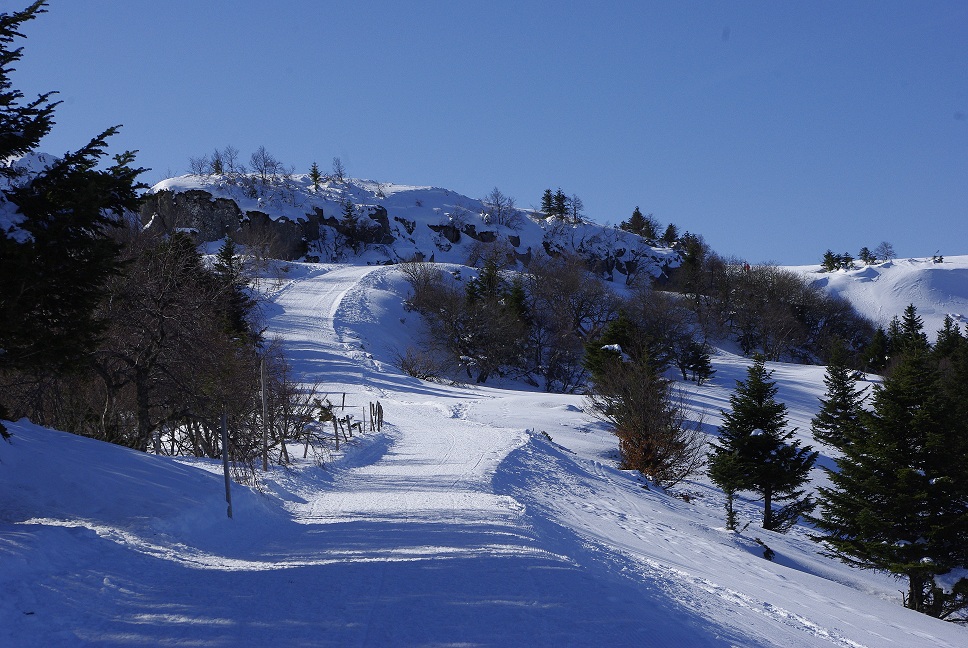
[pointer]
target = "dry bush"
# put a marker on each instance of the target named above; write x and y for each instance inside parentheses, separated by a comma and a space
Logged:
(648, 416)
(419, 364)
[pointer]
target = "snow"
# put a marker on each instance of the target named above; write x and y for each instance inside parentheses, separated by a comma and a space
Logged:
(477, 517)
(883, 290)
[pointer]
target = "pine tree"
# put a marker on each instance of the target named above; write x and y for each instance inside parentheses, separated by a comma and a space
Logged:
(839, 420)
(877, 351)
(867, 256)
(949, 339)
(830, 261)
(547, 203)
(229, 271)
(560, 204)
(694, 359)
(636, 344)
(315, 176)
(350, 224)
(671, 234)
(899, 497)
(57, 253)
(636, 223)
(908, 336)
(754, 438)
(728, 471)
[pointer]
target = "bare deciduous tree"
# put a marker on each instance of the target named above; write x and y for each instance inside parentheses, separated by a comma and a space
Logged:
(884, 251)
(339, 171)
(265, 164)
(500, 210)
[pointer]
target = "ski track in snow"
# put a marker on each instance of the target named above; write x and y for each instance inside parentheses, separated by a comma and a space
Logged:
(454, 526)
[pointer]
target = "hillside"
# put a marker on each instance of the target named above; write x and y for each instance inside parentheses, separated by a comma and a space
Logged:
(479, 517)
(396, 222)
(885, 289)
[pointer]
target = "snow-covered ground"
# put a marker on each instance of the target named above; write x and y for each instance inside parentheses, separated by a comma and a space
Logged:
(478, 517)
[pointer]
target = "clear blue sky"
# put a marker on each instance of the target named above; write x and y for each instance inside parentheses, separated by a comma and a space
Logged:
(774, 129)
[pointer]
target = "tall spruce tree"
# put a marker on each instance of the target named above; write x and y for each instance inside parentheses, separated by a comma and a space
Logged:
(908, 337)
(55, 250)
(898, 501)
(839, 420)
(877, 352)
(315, 176)
(548, 203)
(949, 340)
(755, 452)
(229, 270)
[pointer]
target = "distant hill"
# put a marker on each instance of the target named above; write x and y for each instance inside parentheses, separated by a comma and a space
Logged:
(884, 290)
(294, 219)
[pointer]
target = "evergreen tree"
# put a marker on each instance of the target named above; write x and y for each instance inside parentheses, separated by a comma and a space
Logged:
(949, 339)
(350, 224)
(867, 256)
(728, 471)
(671, 234)
(839, 420)
(908, 333)
(218, 167)
(694, 360)
(228, 268)
(877, 351)
(637, 345)
(754, 438)
(548, 203)
(899, 497)
(830, 261)
(57, 253)
(560, 204)
(315, 176)
(645, 226)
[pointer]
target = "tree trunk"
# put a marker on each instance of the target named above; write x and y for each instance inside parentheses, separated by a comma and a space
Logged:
(144, 416)
(915, 597)
(768, 523)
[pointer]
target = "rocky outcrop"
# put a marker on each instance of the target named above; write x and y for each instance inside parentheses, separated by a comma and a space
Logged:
(373, 229)
(194, 210)
(407, 232)
(210, 219)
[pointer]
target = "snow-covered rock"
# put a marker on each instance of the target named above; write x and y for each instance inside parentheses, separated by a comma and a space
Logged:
(399, 222)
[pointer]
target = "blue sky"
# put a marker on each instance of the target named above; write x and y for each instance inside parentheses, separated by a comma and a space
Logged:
(774, 129)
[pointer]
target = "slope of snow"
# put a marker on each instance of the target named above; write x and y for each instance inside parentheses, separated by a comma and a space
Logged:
(478, 517)
(884, 290)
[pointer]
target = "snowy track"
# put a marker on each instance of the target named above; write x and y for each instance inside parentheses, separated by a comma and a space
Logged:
(453, 527)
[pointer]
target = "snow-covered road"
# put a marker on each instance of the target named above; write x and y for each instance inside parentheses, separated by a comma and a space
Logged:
(461, 524)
